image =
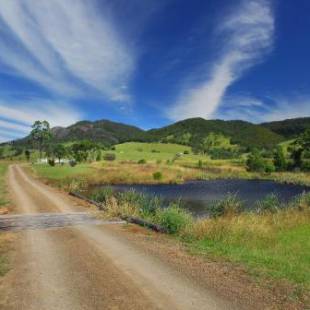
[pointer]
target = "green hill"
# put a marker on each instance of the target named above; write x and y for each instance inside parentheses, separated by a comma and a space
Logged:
(189, 132)
(289, 128)
(104, 131)
(193, 131)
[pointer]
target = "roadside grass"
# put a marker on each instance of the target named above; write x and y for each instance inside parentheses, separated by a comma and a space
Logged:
(3, 190)
(6, 239)
(275, 245)
(272, 243)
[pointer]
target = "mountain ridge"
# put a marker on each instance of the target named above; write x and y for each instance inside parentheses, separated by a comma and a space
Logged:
(189, 132)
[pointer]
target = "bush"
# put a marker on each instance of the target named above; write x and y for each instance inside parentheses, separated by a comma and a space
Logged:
(109, 156)
(301, 202)
(279, 159)
(145, 204)
(102, 194)
(98, 156)
(142, 161)
(51, 162)
(255, 162)
(305, 166)
(270, 204)
(199, 164)
(223, 154)
(173, 219)
(72, 163)
(186, 152)
(231, 205)
(157, 176)
(269, 167)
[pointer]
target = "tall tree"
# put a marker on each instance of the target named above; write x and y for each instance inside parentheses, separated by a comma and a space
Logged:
(41, 134)
(279, 159)
(59, 151)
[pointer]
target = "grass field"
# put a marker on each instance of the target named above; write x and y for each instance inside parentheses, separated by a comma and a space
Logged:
(161, 158)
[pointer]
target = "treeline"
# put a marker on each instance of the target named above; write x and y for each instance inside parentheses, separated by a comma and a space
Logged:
(295, 158)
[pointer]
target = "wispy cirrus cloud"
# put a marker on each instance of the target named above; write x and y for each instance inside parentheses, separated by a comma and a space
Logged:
(65, 46)
(17, 117)
(246, 34)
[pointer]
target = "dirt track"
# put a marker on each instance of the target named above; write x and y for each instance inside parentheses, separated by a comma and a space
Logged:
(87, 266)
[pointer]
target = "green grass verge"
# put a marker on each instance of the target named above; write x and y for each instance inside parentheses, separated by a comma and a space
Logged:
(5, 239)
(286, 255)
(62, 172)
(3, 190)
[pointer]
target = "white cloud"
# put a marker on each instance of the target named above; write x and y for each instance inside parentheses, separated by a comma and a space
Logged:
(264, 109)
(246, 34)
(66, 46)
(16, 118)
(287, 108)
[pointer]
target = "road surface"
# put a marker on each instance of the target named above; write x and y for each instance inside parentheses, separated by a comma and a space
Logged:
(88, 266)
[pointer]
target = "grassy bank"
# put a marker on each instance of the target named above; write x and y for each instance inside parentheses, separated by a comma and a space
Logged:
(272, 242)
(5, 238)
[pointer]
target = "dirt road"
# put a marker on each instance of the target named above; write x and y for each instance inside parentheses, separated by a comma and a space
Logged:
(88, 266)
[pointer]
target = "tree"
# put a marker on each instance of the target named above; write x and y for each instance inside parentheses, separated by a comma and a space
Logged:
(296, 156)
(27, 154)
(59, 151)
(41, 134)
(304, 140)
(279, 159)
(81, 149)
(255, 162)
(301, 146)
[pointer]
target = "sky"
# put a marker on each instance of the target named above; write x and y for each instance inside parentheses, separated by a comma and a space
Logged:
(153, 62)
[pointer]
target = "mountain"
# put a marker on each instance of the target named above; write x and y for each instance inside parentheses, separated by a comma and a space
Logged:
(289, 128)
(189, 132)
(104, 131)
(192, 131)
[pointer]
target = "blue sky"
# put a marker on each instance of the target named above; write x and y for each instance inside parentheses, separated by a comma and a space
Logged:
(152, 62)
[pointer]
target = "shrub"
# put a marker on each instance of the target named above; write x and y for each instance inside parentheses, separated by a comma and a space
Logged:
(157, 175)
(51, 162)
(231, 205)
(199, 164)
(269, 167)
(255, 162)
(102, 194)
(186, 152)
(305, 166)
(109, 156)
(98, 156)
(270, 204)
(142, 161)
(279, 160)
(146, 205)
(301, 202)
(72, 163)
(173, 219)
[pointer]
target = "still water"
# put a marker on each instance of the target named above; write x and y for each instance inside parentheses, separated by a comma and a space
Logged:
(198, 195)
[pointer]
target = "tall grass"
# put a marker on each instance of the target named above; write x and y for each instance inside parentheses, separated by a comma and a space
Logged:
(274, 241)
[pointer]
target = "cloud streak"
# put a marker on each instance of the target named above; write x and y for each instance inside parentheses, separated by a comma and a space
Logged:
(17, 117)
(65, 46)
(246, 35)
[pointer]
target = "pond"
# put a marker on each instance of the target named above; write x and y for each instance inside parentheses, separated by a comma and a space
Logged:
(198, 195)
